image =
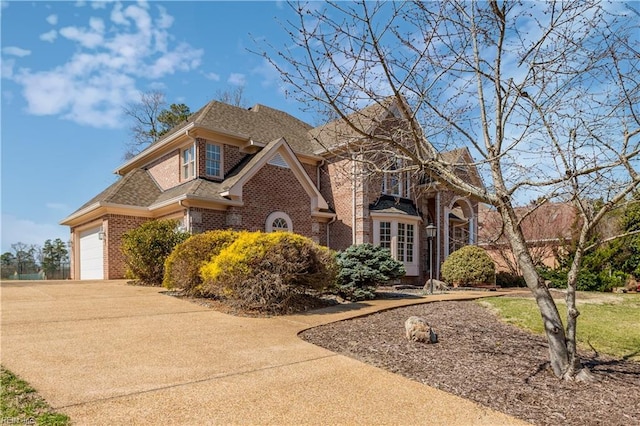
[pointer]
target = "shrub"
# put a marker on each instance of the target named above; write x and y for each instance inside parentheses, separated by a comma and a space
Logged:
(182, 267)
(587, 279)
(362, 268)
(469, 265)
(507, 279)
(268, 271)
(555, 278)
(146, 248)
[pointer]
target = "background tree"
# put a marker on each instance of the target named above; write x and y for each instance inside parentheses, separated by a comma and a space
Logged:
(54, 256)
(8, 265)
(24, 256)
(233, 97)
(545, 96)
(151, 119)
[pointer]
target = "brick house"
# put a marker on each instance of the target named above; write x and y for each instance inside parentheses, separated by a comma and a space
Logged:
(261, 169)
(548, 229)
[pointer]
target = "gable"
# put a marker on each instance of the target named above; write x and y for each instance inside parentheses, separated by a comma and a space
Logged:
(277, 151)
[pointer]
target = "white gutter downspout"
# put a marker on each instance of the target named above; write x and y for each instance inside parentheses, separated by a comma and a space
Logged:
(318, 173)
(329, 223)
(188, 219)
(353, 200)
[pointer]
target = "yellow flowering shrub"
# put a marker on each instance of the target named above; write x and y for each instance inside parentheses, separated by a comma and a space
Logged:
(182, 267)
(265, 271)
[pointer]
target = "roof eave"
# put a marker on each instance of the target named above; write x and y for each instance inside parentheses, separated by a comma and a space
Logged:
(101, 208)
(140, 157)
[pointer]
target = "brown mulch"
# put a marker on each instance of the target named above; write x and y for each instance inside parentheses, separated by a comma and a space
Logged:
(299, 303)
(492, 363)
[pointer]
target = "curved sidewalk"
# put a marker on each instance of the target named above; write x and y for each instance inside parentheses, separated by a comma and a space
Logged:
(106, 353)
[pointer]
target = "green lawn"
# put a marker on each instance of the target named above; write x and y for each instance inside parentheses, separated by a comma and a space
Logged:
(610, 323)
(21, 404)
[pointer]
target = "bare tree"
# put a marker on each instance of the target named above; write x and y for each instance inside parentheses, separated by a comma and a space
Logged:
(25, 257)
(545, 96)
(233, 97)
(145, 127)
(151, 119)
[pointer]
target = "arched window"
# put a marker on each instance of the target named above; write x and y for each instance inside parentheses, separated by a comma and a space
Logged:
(278, 221)
(279, 224)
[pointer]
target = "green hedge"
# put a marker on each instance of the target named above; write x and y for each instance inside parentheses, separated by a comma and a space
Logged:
(469, 265)
(147, 247)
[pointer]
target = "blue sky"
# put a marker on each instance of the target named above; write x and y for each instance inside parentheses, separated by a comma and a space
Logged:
(69, 67)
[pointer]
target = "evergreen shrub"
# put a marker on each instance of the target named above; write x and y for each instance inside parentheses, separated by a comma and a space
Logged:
(182, 267)
(147, 247)
(267, 272)
(507, 279)
(469, 265)
(364, 267)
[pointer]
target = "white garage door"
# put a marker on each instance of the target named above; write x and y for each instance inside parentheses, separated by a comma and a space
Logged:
(91, 260)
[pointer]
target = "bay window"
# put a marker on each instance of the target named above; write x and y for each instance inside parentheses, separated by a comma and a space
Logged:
(398, 233)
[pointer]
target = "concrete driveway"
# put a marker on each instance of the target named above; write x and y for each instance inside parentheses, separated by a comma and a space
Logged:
(107, 353)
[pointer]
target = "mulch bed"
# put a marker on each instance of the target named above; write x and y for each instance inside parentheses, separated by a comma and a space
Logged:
(485, 360)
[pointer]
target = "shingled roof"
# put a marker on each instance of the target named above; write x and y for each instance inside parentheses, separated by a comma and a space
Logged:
(136, 188)
(390, 204)
(260, 123)
(338, 132)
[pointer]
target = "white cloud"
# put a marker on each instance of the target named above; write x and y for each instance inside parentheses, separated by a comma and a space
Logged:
(49, 36)
(270, 74)
(15, 230)
(211, 76)
(57, 206)
(99, 4)
(52, 19)
(89, 38)
(91, 86)
(237, 79)
(16, 51)
(6, 68)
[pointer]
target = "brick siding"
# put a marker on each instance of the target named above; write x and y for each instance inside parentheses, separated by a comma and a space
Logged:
(115, 227)
(335, 186)
(166, 170)
(272, 189)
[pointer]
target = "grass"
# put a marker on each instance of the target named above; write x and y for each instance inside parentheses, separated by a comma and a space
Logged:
(21, 404)
(608, 324)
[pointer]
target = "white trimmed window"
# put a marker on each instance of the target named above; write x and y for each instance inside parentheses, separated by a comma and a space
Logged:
(213, 160)
(385, 235)
(278, 221)
(188, 163)
(396, 183)
(399, 235)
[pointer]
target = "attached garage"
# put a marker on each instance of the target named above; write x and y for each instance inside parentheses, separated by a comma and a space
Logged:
(91, 255)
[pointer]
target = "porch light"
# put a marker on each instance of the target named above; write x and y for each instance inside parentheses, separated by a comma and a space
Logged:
(431, 230)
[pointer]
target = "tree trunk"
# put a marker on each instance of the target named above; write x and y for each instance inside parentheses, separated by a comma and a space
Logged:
(576, 370)
(558, 351)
